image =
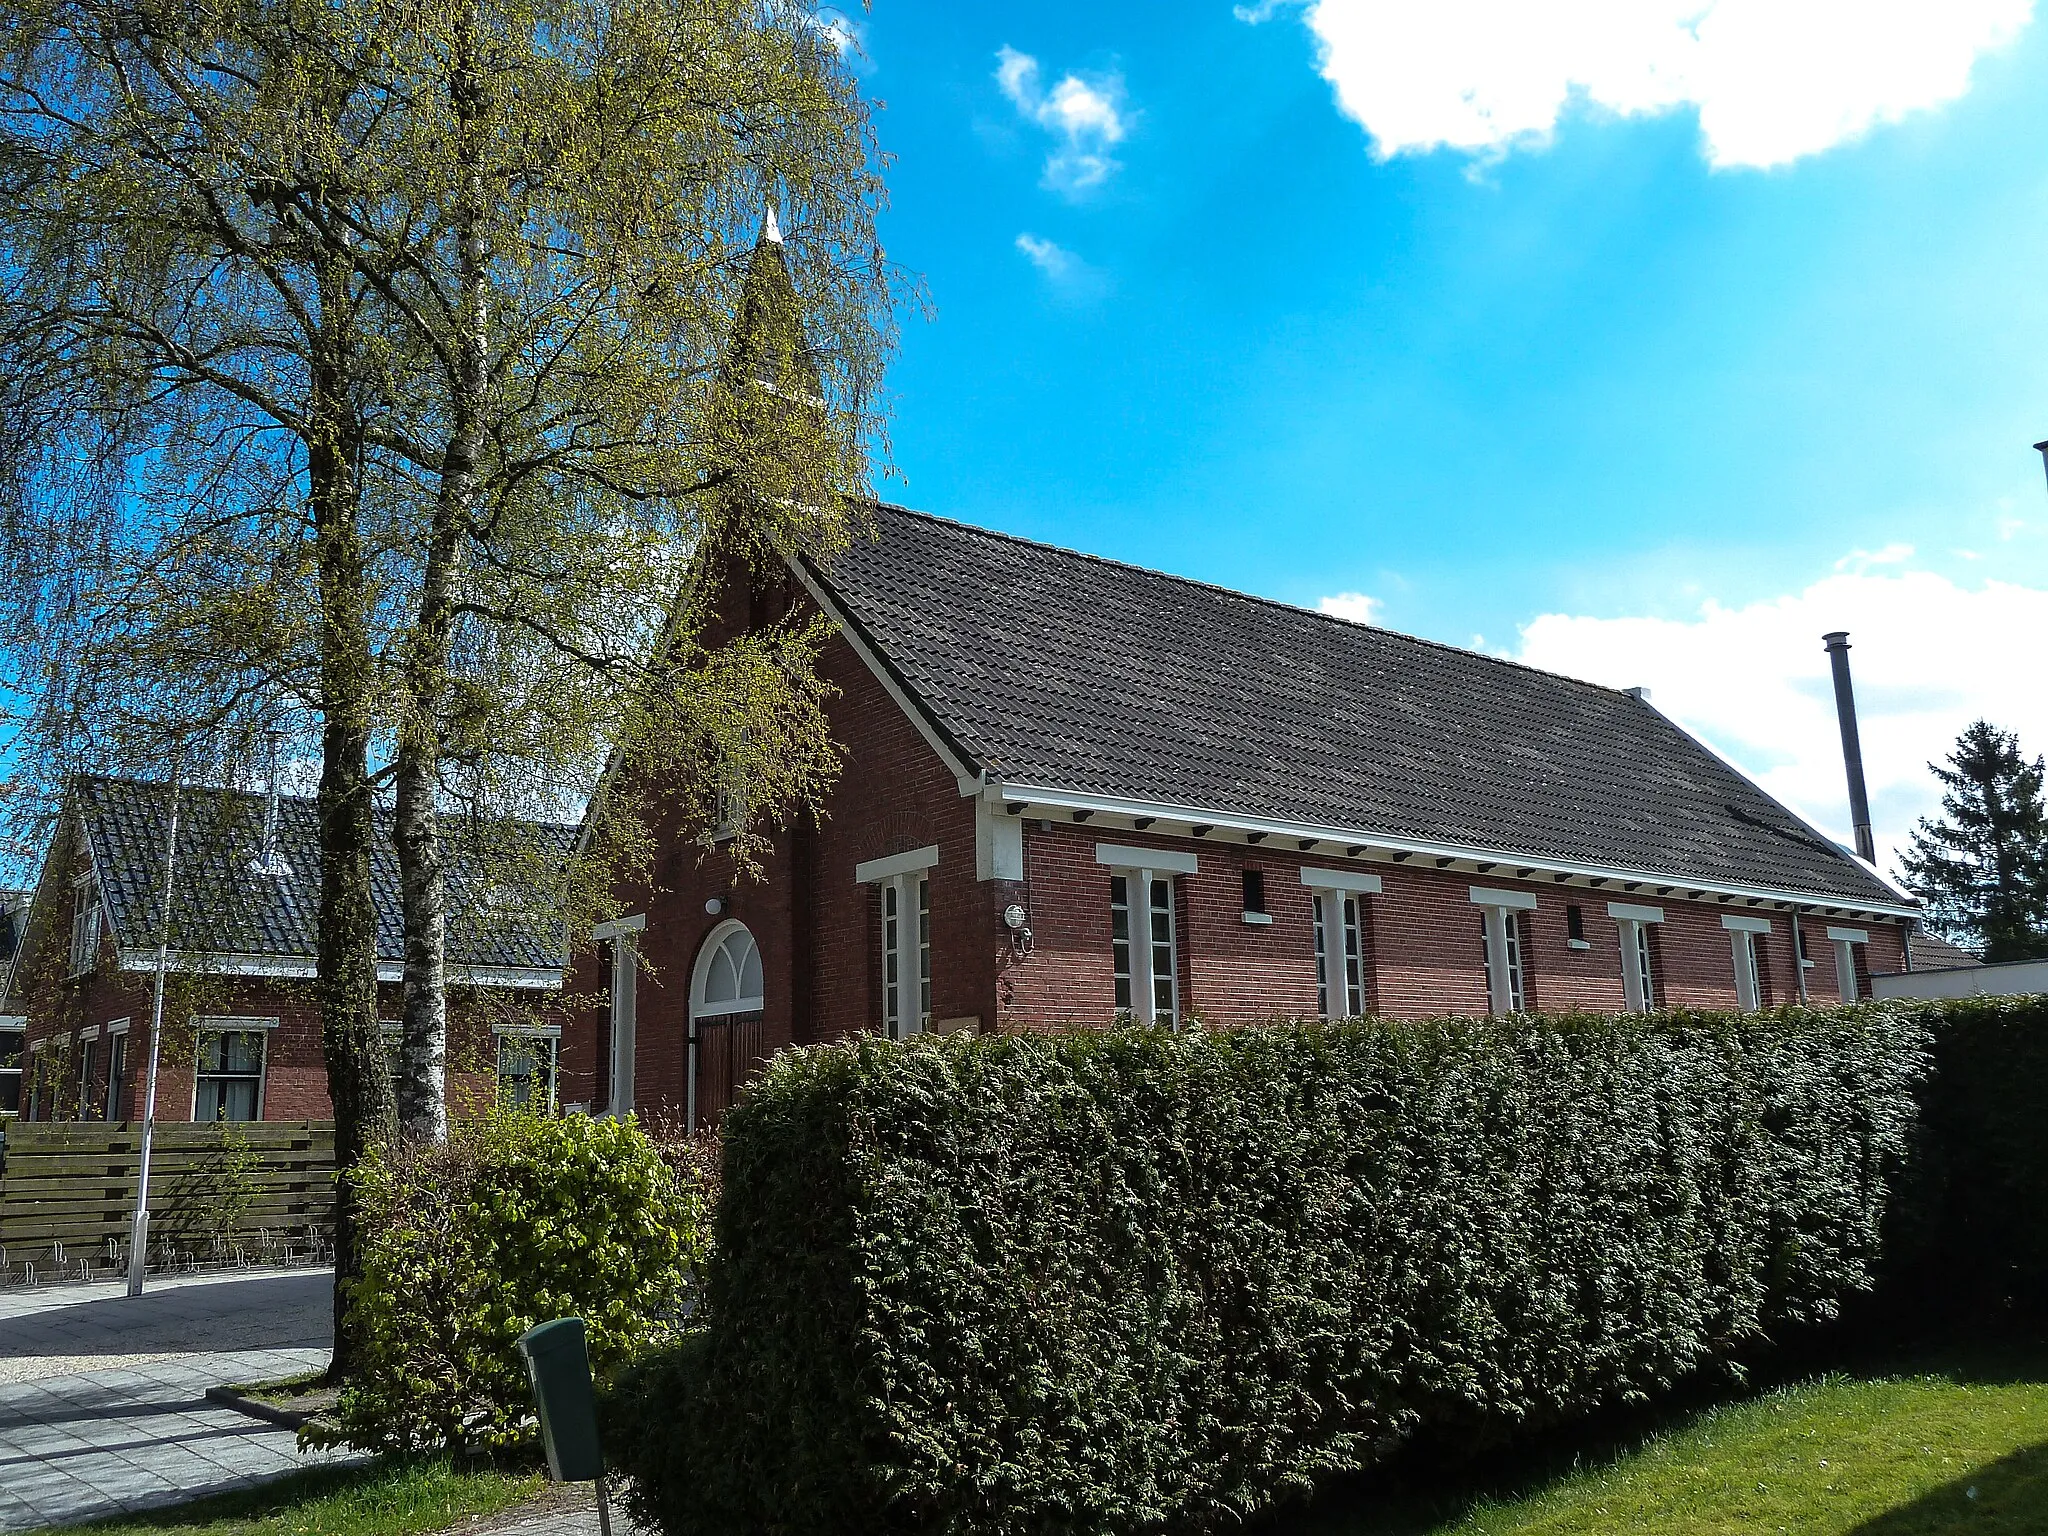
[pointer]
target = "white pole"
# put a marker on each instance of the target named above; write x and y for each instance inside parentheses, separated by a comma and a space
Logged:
(138, 1233)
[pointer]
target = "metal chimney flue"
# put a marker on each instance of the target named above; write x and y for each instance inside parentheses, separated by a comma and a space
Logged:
(1852, 744)
(269, 861)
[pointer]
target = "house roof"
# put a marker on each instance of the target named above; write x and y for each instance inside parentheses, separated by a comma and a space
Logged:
(1931, 952)
(1061, 671)
(225, 905)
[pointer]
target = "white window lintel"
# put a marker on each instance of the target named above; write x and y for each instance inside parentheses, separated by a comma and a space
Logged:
(1488, 896)
(1160, 861)
(1735, 922)
(1632, 912)
(895, 864)
(528, 1031)
(1342, 880)
(118, 1027)
(618, 925)
(230, 1024)
(1849, 935)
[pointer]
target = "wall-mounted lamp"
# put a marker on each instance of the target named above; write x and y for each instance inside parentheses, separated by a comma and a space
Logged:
(1014, 918)
(714, 906)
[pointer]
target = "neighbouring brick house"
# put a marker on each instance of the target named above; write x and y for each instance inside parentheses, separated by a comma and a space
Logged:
(242, 1037)
(1075, 789)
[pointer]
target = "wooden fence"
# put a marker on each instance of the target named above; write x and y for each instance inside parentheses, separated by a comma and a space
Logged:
(72, 1183)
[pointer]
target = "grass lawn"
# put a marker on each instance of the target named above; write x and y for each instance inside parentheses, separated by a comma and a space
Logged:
(380, 1499)
(1958, 1450)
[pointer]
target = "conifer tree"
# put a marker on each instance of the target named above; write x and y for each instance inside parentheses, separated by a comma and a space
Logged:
(1982, 868)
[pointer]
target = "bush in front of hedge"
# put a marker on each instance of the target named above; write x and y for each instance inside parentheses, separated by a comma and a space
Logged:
(1111, 1281)
(514, 1220)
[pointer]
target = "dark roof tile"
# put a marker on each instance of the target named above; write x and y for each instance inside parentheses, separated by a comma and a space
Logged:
(1070, 672)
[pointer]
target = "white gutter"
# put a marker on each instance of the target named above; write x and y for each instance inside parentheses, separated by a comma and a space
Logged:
(294, 968)
(1066, 799)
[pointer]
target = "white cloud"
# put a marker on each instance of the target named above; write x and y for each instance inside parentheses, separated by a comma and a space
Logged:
(1863, 559)
(1929, 656)
(1772, 80)
(1083, 113)
(1054, 261)
(1355, 606)
(1071, 278)
(837, 29)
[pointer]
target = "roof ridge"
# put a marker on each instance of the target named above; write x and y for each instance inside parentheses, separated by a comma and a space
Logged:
(1248, 597)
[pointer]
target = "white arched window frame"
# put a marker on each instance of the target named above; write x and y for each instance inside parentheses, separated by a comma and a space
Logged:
(728, 976)
(726, 982)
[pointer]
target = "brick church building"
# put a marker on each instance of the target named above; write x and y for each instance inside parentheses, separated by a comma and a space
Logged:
(1075, 791)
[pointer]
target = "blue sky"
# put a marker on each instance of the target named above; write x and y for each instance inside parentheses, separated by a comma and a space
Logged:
(1647, 395)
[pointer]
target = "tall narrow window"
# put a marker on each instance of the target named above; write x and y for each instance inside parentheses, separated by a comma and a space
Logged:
(117, 1073)
(1500, 930)
(1638, 953)
(1142, 946)
(1746, 938)
(85, 925)
(1646, 972)
(906, 955)
(1165, 982)
(88, 1050)
(228, 1084)
(1501, 938)
(1331, 1002)
(1120, 938)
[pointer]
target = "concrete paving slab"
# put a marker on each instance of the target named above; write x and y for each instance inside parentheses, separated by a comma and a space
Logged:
(103, 1406)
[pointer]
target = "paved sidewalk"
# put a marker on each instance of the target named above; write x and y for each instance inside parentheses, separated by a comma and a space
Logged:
(103, 1399)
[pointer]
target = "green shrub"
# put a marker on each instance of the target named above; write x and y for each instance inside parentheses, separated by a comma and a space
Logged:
(1970, 1233)
(1114, 1281)
(516, 1220)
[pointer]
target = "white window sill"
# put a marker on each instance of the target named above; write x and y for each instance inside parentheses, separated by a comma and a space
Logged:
(1259, 918)
(1578, 943)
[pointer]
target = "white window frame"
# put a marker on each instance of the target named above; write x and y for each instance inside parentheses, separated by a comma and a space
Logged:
(906, 901)
(1507, 967)
(117, 1065)
(229, 1024)
(1638, 976)
(87, 1039)
(86, 924)
(1742, 934)
(529, 1035)
(1845, 941)
(1147, 868)
(1341, 892)
(904, 882)
(624, 933)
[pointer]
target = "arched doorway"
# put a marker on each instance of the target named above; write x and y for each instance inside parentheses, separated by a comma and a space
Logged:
(727, 1044)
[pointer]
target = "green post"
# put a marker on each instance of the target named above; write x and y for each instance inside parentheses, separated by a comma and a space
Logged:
(558, 1365)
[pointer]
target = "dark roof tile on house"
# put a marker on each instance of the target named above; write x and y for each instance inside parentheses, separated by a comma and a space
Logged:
(1064, 671)
(1931, 952)
(225, 905)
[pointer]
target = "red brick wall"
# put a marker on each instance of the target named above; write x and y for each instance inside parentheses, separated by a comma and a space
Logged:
(819, 933)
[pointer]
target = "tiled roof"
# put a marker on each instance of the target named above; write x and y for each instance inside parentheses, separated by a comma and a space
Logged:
(1931, 952)
(225, 905)
(1063, 671)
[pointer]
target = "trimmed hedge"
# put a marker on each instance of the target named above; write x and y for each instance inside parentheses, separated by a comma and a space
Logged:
(1114, 1281)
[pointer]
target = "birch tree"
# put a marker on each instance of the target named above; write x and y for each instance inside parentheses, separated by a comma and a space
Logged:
(192, 435)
